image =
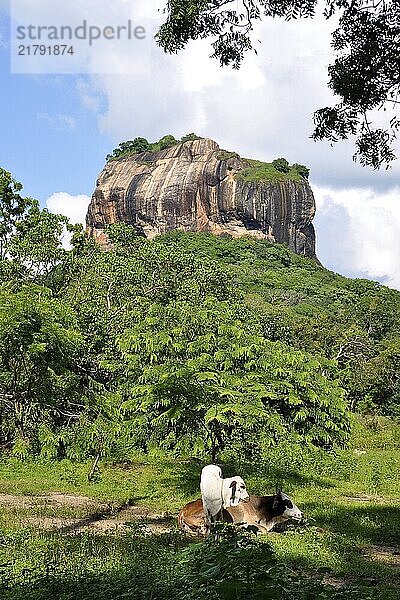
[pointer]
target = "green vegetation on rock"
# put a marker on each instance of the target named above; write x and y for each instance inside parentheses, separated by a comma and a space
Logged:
(139, 144)
(281, 165)
(278, 170)
(302, 170)
(262, 171)
(226, 155)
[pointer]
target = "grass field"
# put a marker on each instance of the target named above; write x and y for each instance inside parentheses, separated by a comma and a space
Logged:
(51, 546)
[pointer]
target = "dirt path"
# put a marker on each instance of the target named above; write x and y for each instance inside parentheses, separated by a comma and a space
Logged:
(389, 555)
(100, 517)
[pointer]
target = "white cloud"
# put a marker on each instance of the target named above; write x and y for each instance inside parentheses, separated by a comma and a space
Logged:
(359, 232)
(263, 110)
(73, 207)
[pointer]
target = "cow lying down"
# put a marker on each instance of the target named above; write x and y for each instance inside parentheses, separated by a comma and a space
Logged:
(260, 513)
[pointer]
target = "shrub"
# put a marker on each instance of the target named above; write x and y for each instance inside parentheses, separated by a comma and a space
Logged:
(190, 137)
(129, 147)
(281, 164)
(140, 144)
(302, 170)
(167, 141)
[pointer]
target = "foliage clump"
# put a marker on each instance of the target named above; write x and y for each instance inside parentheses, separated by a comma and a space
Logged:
(226, 155)
(302, 170)
(281, 165)
(190, 137)
(139, 145)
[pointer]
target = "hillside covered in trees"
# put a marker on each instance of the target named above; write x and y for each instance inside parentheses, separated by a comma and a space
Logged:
(194, 343)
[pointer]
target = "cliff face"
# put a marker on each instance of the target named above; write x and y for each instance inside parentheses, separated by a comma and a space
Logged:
(193, 187)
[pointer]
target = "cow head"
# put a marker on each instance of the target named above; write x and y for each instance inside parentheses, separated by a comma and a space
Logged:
(238, 492)
(284, 507)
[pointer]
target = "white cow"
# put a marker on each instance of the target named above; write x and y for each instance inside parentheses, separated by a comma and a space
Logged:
(218, 493)
(211, 493)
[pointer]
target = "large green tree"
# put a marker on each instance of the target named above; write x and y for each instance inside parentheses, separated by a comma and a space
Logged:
(40, 357)
(204, 378)
(365, 75)
(190, 342)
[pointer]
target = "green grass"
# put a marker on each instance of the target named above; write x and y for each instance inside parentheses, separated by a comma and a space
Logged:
(159, 483)
(262, 171)
(351, 501)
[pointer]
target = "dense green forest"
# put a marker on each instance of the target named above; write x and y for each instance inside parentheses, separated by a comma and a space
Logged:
(195, 344)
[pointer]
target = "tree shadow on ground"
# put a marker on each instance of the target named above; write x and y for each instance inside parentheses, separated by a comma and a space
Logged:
(362, 541)
(370, 523)
(134, 566)
(185, 477)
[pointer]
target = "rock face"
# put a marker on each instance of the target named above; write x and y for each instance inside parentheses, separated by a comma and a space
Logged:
(193, 186)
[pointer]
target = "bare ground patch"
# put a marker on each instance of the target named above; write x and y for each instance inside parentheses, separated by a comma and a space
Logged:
(367, 498)
(53, 498)
(389, 555)
(101, 517)
(336, 582)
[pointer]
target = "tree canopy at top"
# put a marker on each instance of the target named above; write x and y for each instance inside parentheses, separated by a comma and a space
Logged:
(365, 74)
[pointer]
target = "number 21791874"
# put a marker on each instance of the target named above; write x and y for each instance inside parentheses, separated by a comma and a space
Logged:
(42, 50)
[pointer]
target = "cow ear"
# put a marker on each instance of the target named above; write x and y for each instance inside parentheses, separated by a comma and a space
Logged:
(233, 486)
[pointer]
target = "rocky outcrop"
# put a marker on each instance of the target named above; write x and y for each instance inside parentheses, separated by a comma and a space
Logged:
(194, 186)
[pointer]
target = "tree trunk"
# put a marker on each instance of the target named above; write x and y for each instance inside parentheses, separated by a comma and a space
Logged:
(94, 466)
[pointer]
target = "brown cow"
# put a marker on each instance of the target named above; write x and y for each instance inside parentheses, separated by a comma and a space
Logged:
(261, 512)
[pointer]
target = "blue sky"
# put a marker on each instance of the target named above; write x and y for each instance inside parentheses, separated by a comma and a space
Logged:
(50, 140)
(55, 130)
(40, 146)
